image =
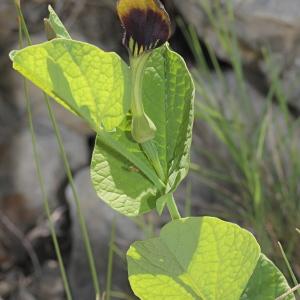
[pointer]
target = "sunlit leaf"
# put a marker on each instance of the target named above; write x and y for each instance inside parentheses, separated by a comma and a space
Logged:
(168, 94)
(194, 258)
(83, 78)
(203, 258)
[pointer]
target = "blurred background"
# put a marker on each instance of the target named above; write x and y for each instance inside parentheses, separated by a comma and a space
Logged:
(245, 59)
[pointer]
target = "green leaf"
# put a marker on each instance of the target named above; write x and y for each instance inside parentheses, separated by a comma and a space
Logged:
(56, 25)
(194, 258)
(203, 258)
(168, 97)
(168, 93)
(266, 283)
(122, 175)
(83, 78)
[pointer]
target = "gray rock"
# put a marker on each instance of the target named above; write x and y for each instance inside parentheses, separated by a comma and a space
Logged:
(100, 25)
(17, 167)
(22, 170)
(99, 218)
(8, 23)
(269, 24)
(8, 127)
(8, 120)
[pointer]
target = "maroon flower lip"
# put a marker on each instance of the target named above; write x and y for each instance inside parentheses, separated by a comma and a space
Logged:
(146, 24)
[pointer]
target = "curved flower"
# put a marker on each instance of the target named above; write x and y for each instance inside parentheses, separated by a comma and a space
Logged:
(147, 25)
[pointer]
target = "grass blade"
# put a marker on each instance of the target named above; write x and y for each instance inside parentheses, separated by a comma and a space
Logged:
(288, 266)
(23, 28)
(82, 223)
(110, 260)
(291, 291)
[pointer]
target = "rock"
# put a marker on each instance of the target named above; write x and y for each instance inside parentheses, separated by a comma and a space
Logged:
(22, 171)
(269, 24)
(99, 24)
(8, 120)
(99, 218)
(14, 207)
(8, 23)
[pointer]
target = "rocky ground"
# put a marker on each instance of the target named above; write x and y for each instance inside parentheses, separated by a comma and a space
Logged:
(28, 268)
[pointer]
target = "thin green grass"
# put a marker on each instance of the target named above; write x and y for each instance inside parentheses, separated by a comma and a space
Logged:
(121, 295)
(23, 29)
(82, 223)
(288, 265)
(254, 165)
(110, 261)
(288, 293)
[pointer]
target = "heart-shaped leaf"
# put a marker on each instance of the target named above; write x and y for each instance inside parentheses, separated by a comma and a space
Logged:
(122, 175)
(168, 97)
(83, 78)
(168, 94)
(202, 258)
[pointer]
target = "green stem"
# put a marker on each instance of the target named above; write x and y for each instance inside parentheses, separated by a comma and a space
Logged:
(288, 265)
(143, 129)
(172, 207)
(137, 65)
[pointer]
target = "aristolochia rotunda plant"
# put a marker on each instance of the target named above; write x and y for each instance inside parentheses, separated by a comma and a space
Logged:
(143, 116)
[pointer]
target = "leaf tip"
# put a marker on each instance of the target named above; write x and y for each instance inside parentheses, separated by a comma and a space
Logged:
(133, 253)
(50, 9)
(12, 54)
(17, 3)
